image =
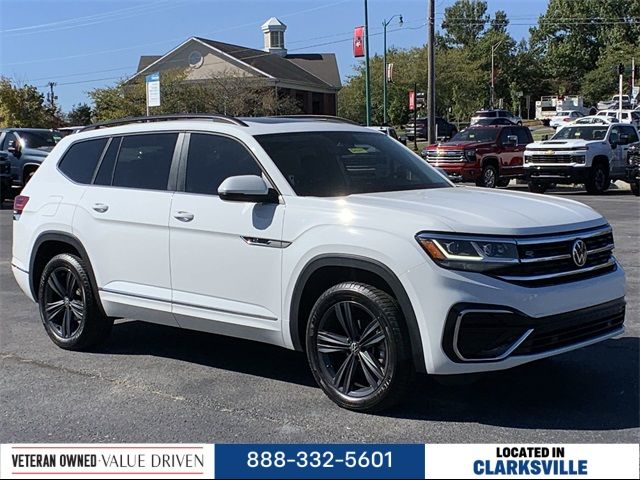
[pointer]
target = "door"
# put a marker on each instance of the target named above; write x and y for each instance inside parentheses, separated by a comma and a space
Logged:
(225, 255)
(11, 140)
(509, 154)
(628, 135)
(123, 222)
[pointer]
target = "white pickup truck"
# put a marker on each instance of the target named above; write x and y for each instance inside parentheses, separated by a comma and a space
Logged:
(593, 155)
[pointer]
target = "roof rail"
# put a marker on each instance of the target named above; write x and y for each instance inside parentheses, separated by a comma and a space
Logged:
(165, 118)
(326, 118)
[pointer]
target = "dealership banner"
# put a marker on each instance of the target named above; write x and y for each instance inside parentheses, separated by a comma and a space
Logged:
(374, 461)
(358, 42)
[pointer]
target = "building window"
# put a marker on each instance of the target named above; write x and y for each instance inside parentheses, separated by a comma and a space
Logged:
(195, 59)
(276, 39)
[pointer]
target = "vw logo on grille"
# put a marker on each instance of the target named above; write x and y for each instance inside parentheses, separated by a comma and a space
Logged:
(579, 253)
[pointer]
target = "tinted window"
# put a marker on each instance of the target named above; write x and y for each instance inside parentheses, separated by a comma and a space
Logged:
(43, 140)
(105, 171)
(7, 138)
(487, 114)
(326, 164)
(523, 136)
(212, 159)
(504, 133)
(144, 161)
(81, 160)
(581, 133)
(631, 132)
(477, 135)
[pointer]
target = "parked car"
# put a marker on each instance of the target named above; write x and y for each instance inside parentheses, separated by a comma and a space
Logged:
(633, 167)
(592, 155)
(444, 129)
(380, 266)
(26, 148)
(390, 132)
(5, 177)
(495, 114)
(615, 103)
(563, 118)
(594, 119)
(624, 116)
(69, 130)
(494, 121)
(489, 156)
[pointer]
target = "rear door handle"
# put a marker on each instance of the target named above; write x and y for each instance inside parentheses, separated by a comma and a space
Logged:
(100, 207)
(183, 216)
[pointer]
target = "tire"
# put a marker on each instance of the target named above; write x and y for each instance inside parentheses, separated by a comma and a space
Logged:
(488, 177)
(504, 182)
(69, 311)
(598, 181)
(362, 377)
(538, 187)
(635, 188)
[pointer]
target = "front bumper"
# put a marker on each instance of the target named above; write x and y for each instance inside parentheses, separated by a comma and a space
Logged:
(435, 293)
(564, 174)
(459, 171)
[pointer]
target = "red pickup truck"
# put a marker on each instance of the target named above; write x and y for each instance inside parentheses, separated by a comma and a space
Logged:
(490, 156)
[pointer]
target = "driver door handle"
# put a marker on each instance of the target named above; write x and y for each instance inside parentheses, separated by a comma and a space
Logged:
(183, 216)
(100, 207)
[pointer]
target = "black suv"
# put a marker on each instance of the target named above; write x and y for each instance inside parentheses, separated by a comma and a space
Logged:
(444, 129)
(26, 148)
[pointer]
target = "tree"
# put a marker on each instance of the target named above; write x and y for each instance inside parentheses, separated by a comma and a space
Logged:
(23, 106)
(79, 115)
(464, 22)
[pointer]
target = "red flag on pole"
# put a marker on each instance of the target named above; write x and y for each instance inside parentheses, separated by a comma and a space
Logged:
(412, 100)
(358, 42)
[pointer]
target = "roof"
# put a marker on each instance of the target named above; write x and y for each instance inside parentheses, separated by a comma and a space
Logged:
(322, 65)
(146, 60)
(269, 63)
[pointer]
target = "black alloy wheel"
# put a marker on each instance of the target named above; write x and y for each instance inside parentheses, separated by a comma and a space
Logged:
(64, 307)
(358, 347)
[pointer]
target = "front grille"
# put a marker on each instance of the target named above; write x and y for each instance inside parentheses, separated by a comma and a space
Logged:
(445, 156)
(576, 329)
(548, 260)
(551, 158)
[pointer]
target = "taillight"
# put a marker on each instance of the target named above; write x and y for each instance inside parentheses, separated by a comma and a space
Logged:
(18, 205)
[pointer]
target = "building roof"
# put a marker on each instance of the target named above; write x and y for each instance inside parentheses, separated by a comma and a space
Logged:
(146, 60)
(314, 70)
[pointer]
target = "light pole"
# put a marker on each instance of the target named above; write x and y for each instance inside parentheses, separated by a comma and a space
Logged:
(493, 50)
(366, 64)
(385, 23)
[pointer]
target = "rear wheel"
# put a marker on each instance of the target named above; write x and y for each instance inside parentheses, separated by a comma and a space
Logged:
(69, 311)
(538, 187)
(358, 347)
(488, 177)
(598, 181)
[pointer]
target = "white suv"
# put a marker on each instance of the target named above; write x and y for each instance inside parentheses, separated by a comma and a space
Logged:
(313, 234)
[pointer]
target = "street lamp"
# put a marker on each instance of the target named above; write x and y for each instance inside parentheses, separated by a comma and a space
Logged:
(493, 49)
(385, 23)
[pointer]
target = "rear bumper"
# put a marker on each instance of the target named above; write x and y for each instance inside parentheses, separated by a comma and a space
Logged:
(556, 173)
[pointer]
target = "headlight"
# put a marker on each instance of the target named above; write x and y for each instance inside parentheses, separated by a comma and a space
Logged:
(579, 158)
(474, 254)
(470, 155)
(527, 158)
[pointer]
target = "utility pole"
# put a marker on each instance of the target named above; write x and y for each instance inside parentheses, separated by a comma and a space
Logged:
(52, 97)
(367, 79)
(385, 23)
(621, 75)
(431, 81)
(493, 76)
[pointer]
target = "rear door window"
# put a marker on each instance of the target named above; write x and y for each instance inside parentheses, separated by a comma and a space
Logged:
(80, 161)
(144, 161)
(105, 170)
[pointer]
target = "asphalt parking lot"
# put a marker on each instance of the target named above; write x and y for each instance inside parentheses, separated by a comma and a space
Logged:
(151, 383)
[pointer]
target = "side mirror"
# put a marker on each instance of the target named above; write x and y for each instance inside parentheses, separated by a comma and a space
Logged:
(14, 147)
(247, 188)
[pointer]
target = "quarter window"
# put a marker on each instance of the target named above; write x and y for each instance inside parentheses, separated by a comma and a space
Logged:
(81, 160)
(144, 161)
(105, 170)
(212, 159)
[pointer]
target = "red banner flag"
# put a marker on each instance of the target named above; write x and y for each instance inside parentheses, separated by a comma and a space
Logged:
(412, 100)
(358, 42)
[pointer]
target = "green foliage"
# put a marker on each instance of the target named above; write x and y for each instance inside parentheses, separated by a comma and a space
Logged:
(602, 82)
(23, 106)
(79, 115)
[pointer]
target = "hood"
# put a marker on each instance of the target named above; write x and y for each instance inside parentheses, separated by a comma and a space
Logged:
(480, 211)
(458, 145)
(557, 144)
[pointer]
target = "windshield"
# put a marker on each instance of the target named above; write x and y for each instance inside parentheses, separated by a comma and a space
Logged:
(329, 164)
(486, 114)
(581, 133)
(42, 140)
(476, 135)
(562, 114)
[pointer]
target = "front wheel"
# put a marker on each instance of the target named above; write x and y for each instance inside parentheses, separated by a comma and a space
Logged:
(598, 181)
(68, 308)
(538, 187)
(488, 177)
(358, 347)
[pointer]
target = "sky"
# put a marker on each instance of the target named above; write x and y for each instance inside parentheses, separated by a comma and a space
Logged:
(86, 44)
